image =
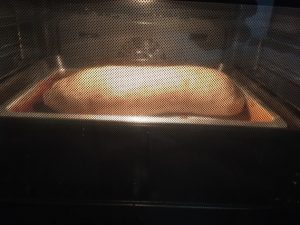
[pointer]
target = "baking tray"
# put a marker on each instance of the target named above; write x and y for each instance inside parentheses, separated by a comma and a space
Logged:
(29, 104)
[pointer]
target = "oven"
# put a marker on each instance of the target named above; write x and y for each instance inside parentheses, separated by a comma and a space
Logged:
(149, 112)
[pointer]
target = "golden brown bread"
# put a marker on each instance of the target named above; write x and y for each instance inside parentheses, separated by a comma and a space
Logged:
(146, 90)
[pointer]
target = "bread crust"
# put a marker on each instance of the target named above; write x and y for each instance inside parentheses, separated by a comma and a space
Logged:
(146, 90)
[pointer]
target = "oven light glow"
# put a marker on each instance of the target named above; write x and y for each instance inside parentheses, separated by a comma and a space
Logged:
(130, 81)
(60, 64)
(139, 119)
(144, 2)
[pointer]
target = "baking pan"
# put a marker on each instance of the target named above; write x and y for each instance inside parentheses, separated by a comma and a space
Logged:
(29, 104)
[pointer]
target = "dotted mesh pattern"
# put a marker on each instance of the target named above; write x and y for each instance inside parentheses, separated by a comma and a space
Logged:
(147, 90)
(152, 58)
(143, 32)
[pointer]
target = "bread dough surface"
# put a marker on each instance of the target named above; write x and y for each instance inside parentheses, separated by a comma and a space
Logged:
(146, 91)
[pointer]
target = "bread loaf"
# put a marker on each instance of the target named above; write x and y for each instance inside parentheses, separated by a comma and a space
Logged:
(146, 90)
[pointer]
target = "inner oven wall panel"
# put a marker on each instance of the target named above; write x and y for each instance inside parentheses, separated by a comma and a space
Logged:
(273, 58)
(280, 56)
(9, 43)
(20, 38)
(100, 32)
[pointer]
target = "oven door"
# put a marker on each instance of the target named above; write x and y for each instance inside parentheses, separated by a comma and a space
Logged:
(62, 168)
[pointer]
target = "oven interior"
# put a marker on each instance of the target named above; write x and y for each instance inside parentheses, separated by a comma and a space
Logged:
(60, 168)
(255, 45)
